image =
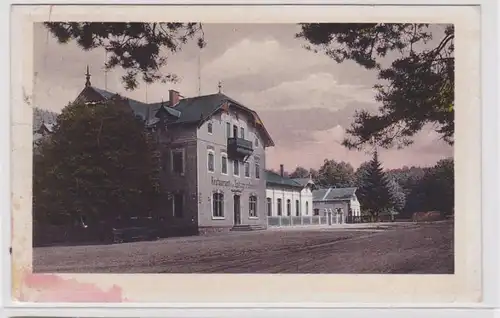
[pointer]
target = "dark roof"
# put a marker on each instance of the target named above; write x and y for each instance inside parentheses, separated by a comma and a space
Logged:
(190, 110)
(272, 178)
(201, 108)
(333, 194)
(145, 110)
(303, 181)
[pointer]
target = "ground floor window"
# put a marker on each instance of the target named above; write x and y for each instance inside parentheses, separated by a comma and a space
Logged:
(178, 204)
(218, 205)
(307, 207)
(316, 212)
(269, 207)
(288, 207)
(279, 207)
(252, 206)
(297, 208)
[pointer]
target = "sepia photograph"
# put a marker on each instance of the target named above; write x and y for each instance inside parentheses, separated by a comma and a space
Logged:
(301, 148)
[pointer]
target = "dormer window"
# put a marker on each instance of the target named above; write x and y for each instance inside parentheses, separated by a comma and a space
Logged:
(209, 128)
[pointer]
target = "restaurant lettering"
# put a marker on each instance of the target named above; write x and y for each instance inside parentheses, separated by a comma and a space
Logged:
(234, 184)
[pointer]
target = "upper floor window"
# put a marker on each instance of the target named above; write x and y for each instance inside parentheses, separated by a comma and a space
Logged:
(247, 169)
(211, 163)
(178, 161)
(242, 133)
(235, 131)
(257, 170)
(252, 206)
(256, 141)
(224, 163)
(228, 130)
(209, 127)
(236, 167)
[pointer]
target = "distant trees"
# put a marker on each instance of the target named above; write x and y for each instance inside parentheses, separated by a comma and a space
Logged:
(299, 172)
(98, 164)
(333, 173)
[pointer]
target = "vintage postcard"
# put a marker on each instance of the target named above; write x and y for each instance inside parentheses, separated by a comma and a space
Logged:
(248, 154)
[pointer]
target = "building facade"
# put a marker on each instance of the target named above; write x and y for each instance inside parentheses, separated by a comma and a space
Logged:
(341, 203)
(213, 159)
(287, 200)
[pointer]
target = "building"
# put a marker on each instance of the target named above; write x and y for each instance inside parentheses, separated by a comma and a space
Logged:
(213, 158)
(341, 203)
(288, 200)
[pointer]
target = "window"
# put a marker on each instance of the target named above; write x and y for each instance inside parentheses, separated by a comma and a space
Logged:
(224, 163)
(279, 207)
(297, 208)
(316, 212)
(252, 212)
(269, 207)
(307, 207)
(178, 204)
(242, 133)
(235, 131)
(288, 207)
(228, 130)
(256, 141)
(211, 167)
(209, 128)
(247, 169)
(257, 170)
(218, 205)
(178, 161)
(236, 167)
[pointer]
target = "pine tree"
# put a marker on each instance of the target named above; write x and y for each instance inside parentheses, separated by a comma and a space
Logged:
(374, 192)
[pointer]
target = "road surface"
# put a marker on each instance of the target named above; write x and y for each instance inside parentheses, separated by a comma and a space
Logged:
(390, 248)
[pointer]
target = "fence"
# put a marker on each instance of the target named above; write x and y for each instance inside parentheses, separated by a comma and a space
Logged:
(296, 220)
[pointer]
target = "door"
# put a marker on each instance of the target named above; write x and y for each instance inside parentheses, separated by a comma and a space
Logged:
(237, 210)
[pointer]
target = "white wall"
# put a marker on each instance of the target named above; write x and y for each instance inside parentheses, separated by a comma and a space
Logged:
(285, 194)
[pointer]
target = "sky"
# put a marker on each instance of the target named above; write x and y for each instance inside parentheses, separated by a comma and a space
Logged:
(305, 99)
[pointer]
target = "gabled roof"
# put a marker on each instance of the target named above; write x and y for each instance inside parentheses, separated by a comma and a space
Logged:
(273, 178)
(193, 110)
(333, 194)
(201, 108)
(145, 110)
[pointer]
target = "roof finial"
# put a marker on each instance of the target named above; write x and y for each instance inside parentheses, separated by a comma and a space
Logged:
(220, 87)
(87, 77)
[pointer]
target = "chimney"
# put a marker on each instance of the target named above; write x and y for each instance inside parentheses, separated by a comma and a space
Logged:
(282, 171)
(173, 97)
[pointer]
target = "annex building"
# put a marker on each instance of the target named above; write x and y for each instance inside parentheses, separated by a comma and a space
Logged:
(213, 158)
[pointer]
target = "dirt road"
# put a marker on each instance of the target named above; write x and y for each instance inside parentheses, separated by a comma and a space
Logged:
(397, 248)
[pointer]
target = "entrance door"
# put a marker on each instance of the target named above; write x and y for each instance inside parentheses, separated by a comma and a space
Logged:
(237, 210)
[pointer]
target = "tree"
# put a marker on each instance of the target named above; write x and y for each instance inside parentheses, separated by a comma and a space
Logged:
(300, 172)
(139, 48)
(398, 197)
(374, 193)
(435, 191)
(337, 174)
(97, 165)
(416, 89)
